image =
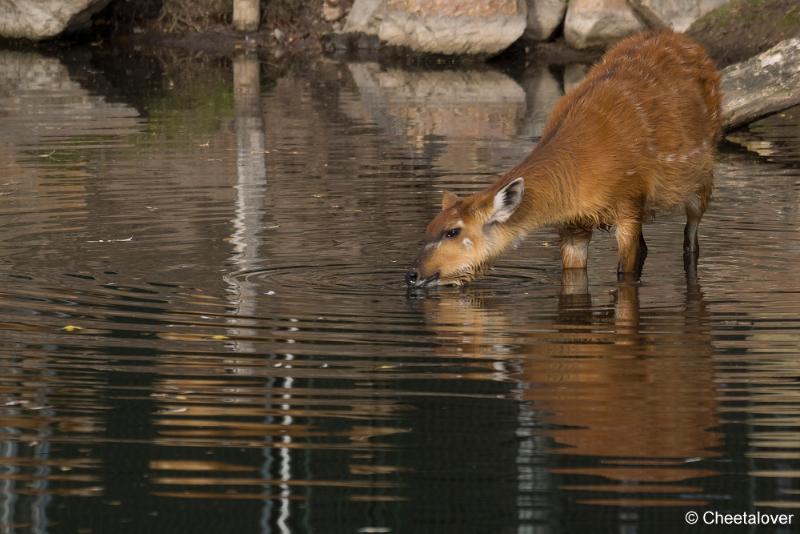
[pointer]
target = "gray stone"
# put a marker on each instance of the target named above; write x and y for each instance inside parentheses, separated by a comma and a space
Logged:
(544, 16)
(675, 14)
(764, 84)
(599, 22)
(332, 12)
(43, 19)
(453, 26)
(365, 17)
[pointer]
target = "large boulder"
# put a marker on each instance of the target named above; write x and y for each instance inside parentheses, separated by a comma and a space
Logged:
(675, 14)
(453, 26)
(599, 22)
(43, 19)
(544, 16)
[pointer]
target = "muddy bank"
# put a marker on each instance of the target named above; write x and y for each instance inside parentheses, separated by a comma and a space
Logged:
(288, 27)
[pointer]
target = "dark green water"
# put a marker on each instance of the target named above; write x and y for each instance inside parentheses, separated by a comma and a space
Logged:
(203, 324)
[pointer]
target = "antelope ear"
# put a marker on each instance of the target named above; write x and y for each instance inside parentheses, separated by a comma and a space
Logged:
(448, 200)
(507, 200)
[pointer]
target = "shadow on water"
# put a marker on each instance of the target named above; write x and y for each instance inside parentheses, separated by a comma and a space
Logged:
(204, 324)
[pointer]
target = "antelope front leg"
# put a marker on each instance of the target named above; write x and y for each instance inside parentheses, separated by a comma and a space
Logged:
(574, 247)
(632, 249)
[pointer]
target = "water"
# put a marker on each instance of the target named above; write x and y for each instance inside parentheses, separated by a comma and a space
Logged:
(204, 326)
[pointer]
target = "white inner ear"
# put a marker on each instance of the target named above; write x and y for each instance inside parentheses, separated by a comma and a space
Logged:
(507, 200)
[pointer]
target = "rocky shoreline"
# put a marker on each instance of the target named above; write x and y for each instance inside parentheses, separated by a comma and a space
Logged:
(444, 32)
(732, 30)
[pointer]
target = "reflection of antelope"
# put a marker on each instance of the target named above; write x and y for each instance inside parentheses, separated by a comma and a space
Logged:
(641, 400)
(638, 135)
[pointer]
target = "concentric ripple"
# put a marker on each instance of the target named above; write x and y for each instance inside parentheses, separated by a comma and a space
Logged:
(356, 280)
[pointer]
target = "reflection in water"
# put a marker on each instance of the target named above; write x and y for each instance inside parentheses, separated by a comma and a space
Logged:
(205, 329)
(445, 111)
(635, 398)
(602, 386)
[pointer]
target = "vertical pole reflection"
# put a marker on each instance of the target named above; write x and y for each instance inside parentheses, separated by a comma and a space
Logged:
(9, 449)
(286, 464)
(251, 173)
(251, 191)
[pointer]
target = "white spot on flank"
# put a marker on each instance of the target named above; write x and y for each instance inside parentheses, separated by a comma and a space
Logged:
(669, 158)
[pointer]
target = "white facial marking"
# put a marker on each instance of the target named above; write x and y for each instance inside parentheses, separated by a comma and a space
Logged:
(435, 244)
(467, 242)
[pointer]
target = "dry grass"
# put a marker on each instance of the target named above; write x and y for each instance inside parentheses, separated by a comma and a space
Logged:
(180, 16)
(194, 16)
(291, 27)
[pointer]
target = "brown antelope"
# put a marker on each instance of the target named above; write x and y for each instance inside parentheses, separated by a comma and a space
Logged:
(637, 136)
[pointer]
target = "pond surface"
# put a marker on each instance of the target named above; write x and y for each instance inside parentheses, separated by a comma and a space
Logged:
(204, 326)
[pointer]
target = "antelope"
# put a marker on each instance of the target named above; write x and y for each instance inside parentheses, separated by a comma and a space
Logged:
(636, 137)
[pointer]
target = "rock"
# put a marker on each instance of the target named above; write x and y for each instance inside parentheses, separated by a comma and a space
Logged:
(332, 11)
(544, 16)
(43, 19)
(764, 84)
(599, 22)
(675, 14)
(365, 17)
(453, 26)
(742, 29)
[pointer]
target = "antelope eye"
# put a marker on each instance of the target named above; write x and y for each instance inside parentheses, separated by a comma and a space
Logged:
(452, 232)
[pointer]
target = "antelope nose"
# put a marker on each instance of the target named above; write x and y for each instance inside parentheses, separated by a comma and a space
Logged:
(412, 275)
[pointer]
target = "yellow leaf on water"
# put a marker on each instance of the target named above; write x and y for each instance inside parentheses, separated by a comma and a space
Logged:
(71, 328)
(219, 337)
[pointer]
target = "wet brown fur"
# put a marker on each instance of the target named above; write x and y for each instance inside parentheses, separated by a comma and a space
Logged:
(637, 136)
